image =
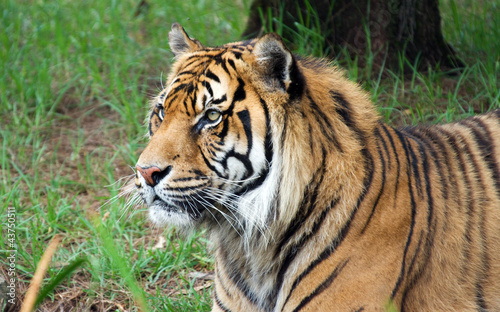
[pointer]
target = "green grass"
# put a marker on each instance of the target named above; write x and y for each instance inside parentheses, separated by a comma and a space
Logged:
(75, 79)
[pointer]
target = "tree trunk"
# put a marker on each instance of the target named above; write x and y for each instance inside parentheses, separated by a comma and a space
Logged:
(386, 28)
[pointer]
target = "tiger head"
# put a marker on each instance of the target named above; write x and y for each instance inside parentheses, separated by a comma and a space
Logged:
(242, 130)
(211, 154)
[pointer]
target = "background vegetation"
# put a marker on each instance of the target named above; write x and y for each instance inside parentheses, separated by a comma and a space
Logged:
(75, 79)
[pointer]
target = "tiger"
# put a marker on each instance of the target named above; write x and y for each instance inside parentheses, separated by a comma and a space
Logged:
(313, 203)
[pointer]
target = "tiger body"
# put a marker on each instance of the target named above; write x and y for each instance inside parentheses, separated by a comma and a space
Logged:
(312, 202)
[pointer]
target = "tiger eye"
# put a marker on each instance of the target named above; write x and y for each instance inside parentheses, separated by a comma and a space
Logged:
(213, 115)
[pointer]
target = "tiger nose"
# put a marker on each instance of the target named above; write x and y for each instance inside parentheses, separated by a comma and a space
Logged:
(153, 175)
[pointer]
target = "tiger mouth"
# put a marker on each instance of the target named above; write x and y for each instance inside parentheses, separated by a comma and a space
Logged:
(177, 207)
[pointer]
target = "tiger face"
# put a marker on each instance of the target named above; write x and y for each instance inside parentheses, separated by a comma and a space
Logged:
(210, 148)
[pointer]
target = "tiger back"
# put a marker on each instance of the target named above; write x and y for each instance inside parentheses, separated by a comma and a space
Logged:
(312, 202)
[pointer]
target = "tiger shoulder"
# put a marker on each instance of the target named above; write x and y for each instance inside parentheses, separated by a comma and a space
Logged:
(313, 203)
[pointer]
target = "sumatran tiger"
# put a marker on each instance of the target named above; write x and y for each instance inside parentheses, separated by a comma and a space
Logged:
(313, 203)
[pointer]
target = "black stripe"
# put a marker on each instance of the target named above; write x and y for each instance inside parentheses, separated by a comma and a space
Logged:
(219, 303)
(404, 143)
(193, 105)
(482, 272)
(284, 132)
(343, 109)
(204, 100)
(176, 80)
(185, 179)
(414, 162)
(153, 113)
(429, 239)
(428, 137)
(239, 94)
(386, 148)
(182, 198)
(242, 158)
(268, 143)
(268, 147)
(448, 175)
(189, 87)
(431, 222)
(484, 140)
(201, 59)
(183, 73)
(382, 184)
(396, 156)
(323, 286)
(244, 117)
(209, 74)
(485, 262)
(191, 59)
(255, 183)
(218, 101)
(469, 200)
(220, 61)
(224, 67)
(326, 127)
(231, 63)
(209, 165)
(170, 101)
(209, 89)
(425, 148)
(428, 147)
(224, 131)
(428, 190)
(214, 147)
(311, 139)
(410, 284)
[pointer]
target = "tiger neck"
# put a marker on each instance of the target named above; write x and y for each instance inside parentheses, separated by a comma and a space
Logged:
(258, 271)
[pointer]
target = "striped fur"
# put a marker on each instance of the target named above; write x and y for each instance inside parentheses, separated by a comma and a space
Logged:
(313, 203)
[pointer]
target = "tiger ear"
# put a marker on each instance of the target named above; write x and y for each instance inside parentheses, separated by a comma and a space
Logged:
(180, 42)
(274, 60)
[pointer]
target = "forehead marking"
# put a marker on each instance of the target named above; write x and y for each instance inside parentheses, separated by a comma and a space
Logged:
(197, 66)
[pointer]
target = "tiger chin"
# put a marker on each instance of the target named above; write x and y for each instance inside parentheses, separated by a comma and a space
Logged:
(313, 203)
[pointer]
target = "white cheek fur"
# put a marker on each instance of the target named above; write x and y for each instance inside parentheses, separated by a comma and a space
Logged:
(161, 217)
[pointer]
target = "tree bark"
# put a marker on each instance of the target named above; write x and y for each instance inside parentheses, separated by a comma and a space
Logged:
(381, 29)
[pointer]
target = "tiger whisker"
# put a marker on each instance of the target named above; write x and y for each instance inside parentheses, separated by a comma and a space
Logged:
(235, 182)
(226, 216)
(232, 201)
(126, 190)
(211, 196)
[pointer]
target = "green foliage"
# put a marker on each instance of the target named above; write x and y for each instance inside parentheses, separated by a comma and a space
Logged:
(59, 278)
(75, 80)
